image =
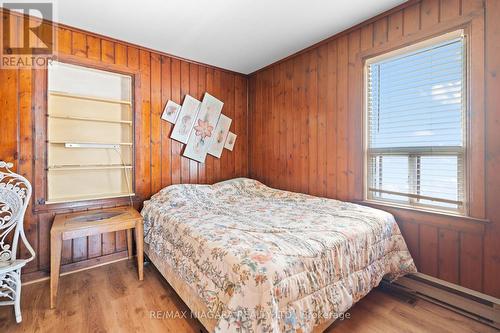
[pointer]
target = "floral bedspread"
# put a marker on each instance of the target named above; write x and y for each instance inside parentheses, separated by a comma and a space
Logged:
(266, 260)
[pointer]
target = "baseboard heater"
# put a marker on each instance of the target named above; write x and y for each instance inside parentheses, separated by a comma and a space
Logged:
(470, 303)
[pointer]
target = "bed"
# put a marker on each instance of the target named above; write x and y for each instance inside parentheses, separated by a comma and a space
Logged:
(245, 257)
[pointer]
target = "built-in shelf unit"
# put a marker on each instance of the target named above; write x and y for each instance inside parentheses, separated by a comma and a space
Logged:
(90, 134)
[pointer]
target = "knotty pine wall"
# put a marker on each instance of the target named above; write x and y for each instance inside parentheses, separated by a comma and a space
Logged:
(306, 132)
(158, 160)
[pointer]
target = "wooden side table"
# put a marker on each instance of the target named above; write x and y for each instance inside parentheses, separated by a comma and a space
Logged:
(89, 223)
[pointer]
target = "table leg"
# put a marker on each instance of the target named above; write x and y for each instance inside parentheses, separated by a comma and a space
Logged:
(129, 243)
(55, 265)
(139, 235)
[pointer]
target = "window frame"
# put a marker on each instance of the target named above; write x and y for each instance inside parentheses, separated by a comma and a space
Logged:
(463, 210)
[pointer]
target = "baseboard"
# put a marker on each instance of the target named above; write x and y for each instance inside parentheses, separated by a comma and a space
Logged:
(470, 303)
(74, 267)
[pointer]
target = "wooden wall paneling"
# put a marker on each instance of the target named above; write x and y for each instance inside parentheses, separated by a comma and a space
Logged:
(9, 105)
(10, 101)
(428, 250)
(44, 221)
(121, 55)
(469, 6)
(261, 125)
(142, 127)
(133, 59)
(471, 261)
(297, 109)
(224, 95)
(202, 80)
(342, 118)
(429, 10)
(166, 127)
(449, 255)
(38, 99)
(94, 48)
(279, 79)
(303, 129)
(240, 148)
(225, 159)
(277, 95)
(63, 40)
(395, 28)
(322, 124)
(380, 31)
(244, 139)
(229, 167)
(176, 97)
(257, 129)
(355, 117)
(265, 123)
(411, 19)
(25, 161)
(331, 120)
(78, 44)
(449, 9)
(311, 94)
(289, 94)
(107, 51)
(492, 75)
(411, 234)
(156, 122)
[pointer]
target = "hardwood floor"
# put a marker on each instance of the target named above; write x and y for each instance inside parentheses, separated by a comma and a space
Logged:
(111, 299)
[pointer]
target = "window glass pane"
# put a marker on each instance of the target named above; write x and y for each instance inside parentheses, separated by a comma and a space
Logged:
(416, 100)
(390, 174)
(439, 178)
(416, 127)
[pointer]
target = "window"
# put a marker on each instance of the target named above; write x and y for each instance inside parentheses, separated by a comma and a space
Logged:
(89, 134)
(416, 125)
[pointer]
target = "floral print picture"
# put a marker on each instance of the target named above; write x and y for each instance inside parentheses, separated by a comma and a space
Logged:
(171, 112)
(204, 128)
(186, 119)
(220, 136)
(231, 139)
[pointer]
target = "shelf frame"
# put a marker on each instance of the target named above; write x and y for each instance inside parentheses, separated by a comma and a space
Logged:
(88, 167)
(101, 120)
(97, 196)
(90, 98)
(72, 108)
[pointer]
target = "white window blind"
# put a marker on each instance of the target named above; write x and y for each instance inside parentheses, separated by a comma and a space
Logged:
(416, 126)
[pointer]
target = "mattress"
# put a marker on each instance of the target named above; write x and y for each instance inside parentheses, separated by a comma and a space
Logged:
(265, 260)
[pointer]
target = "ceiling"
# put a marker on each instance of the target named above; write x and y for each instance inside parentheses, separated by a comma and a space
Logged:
(240, 35)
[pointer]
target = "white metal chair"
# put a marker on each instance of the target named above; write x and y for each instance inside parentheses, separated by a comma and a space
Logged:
(15, 194)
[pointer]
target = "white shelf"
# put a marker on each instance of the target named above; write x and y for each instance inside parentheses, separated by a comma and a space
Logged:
(90, 98)
(97, 196)
(91, 143)
(87, 167)
(101, 120)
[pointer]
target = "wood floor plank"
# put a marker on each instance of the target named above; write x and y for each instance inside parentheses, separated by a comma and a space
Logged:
(111, 299)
